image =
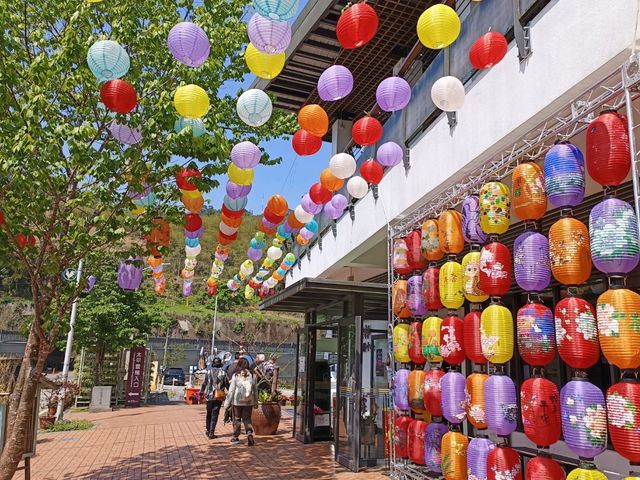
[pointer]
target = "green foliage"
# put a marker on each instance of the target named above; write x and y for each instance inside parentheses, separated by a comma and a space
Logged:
(69, 425)
(238, 327)
(176, 355)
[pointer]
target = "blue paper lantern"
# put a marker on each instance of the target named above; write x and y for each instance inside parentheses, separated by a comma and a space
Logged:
(197, 126)
(235, 204)
(564, 175)
(107, 60)
(281, 10)
(192, 242)
(312, 226)
(283, 233)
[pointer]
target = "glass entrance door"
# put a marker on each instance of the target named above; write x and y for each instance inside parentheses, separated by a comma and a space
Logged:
(346, 441)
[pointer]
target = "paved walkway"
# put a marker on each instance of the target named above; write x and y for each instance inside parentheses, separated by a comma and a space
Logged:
(168, 442)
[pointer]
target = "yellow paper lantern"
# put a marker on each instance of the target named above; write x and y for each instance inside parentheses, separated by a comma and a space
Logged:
(431, 339)
(191, 101)
(240, 176)
(450, 280)
(495, 208)
(262, 64)
(438, 26)
(191, 194)
(496, 331)
(401, 343)
(586, 474)
(471, 278)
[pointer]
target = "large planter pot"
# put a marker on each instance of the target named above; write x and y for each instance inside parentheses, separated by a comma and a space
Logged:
(266, 418)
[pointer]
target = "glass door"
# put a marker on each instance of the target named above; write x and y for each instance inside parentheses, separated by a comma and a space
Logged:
(324, 383)
(346, 421)
(300, 417)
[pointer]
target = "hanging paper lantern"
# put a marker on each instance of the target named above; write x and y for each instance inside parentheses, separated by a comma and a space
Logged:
(471, 280)
(183, 176)
(453, 397)
(357, 187)
(452, 340)
(366, 131)
(245, 155)
(329, 181)
(618, 315)
(416, 392)
(531, 262)
(472, 340)
(262, 64)
(124, 133)
(529, 197)
(504, 463)
(401, 343)
(495, 269)
(454, 450)
(254, 107)
(401, 439)
(389, 154)
(584, 418)
(450, 232)
(544, 468)
(433, 446)
(240, 176)
(488, 50)
(197, 126)
(431, 339)
(342, 165)
(278, 205)
(399, 299)
(608, 157)
(269, 36)
(414, 250)
(475, 405)
(431, 286)
(501, 405)
(471, 231)
(613, 231)
(234, 205)
(235, 191)
(417, 431)
(335, 83)
(188, 44)
(191, 101)
(401, 389)
(227, 230)
(372, 171)
(540, 404)
(318, 194)
(130, 274)
(281, 10)
(304, 143)
(432, 391)
(415, 343)
(159, 234)
(302, 216)
(477, 454)
(357, 25)
(309, 206)
(415, 300)
(589, 473)
(450, 280)
(495, 202)
(393, 94)
(497, 334)
(447, 93)
(400, 261)
(564, 175)
(623, 412)
(576, 333)
(107, 60)
(118, 96)
(569, 251)
(431, 247)
(438, 27)
(314, 120)
(270, 219)
(536, 334)
(192, 222)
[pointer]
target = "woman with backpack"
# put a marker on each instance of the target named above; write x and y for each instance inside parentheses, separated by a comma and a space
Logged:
(243, 397)
(213, 390)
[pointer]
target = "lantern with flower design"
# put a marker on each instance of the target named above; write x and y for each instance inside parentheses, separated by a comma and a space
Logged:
(400, 261)
(452, 388)
(401, 439)
(431, 288)
(431, 248)
(431, 339)
(501, 405)
(432, 393)
(454, 456)
(569, 251)
(472, 338)
(433, 446)
(450, 282)
(496, 324)
(416, 390)
(623, 413)
(544, 467)
(452, 340)
(576, 333)
(608, 159)
(531, 261)
(564, 175)
(471, 230)
(475, 404)
(414, 250)
(401, 343)
(401, 389)
(450, 232)
(471, 280)
(495, 204)
(529, 198)
(495, 269)
(477, 454)
(540, 405)
(618, 315)
(399, 299)
(416, 446)
(415, 300)
(504, 463)
(536, 335)
(415, 343)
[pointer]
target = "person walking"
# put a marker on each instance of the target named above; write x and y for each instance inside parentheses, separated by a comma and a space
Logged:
(213, 390)
(243, 398)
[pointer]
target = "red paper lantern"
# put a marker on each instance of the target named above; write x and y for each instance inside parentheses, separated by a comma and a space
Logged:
(608, 159)
(183, 179)
(452, 340)
(267, 230)
(504, 462)
(495, 269)
(192, 222)
(415, 343)
(118, 96)
(540, 405)
(366, 131)
(304, 143)
(414, 251)
(318, 194)
(232, 213)
(226, 239)
(433, 391)
(472, 337)
(357, 25)
(488, 50)
(431, 288)
(402, 436)
(623, 413)
(577, 333)
(372, 171)
(416, 432)
(544, 468)
(271, 217)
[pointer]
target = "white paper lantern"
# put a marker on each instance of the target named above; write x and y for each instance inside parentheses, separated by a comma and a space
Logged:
(246, 268)
(274, 253)
(357, 187)
(342, 165)
(301, 215)
(192, 251)
(271, 282)
(226, 229)
(254, 107)
(448, 94)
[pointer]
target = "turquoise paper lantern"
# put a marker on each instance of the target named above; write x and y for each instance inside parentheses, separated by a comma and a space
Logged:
(107, 60)
(197, 126)
(281, 10)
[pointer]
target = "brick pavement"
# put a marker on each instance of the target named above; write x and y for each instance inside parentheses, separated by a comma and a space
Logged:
(168, 442)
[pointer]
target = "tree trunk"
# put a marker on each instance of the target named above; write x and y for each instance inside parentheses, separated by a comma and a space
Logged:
(98, 364)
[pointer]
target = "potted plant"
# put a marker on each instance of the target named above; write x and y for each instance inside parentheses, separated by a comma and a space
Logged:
(266, 418)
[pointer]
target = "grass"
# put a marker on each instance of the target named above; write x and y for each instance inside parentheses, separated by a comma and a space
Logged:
(69, 425)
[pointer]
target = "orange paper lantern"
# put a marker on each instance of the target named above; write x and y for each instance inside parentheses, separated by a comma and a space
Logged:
(399, 299)
(618, 315)
(329, 181)
(570, 251)
(416, 390)
(454, 448)
(431, 248)
(529, 196)
(450, 232)
(475, 405)
(278, 205)
(314, 120)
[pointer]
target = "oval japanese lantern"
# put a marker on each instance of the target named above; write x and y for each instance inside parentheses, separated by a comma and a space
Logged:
(613, 232)
(402, 436)
(536, 334)
(366, 131)
(342, 165)
(529, 196)
(262, 64)
(576, 333)
(540, 408)
(569, 251)
(450, 231)
(431, 248)
(477, 455)
(431, 288)
(191, 101)
(475, 405)
(108, 60)
(531, 264)
(318, 194)
(432, 391)
(118, 96)
(450, 282)
(192, 222)
(401, 389)
(453, 397)
(472, 340)
(495, 269)
(335, 83)
(504, 463)
(618, 315)
(488, 50)
(496, 325)
(329, 181)
(454, 449)
(401, 343)
(393, 94)
(564, 175)
(608, 156)
(414, 251)
(399, 299)
(400, 260)
(314, 120)
(438, 26)
(372, 171)
(544, 468)
(584, 418)
(417, 430)
(278, 205)
(433, 446)
(304, 143)
(415, 343)
(431, 339)
(416, 390)
(501, 405)
(415, 299)
(471, 230)
(623, 413)
(267, 35)
(589, 473)
(452, 340)
(495, 203)
(357, 25)
(471, 280)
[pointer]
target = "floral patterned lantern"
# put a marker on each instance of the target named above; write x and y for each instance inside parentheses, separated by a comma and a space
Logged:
(417, 431)
(471, 230)
(450, 282)
(453, 397)
(400, 261)
(416, 390)
(531, 263)
(529, 198)
(544, 468)
(450, 231)
(495, 204)
(357, 25)
(433, 446)
(431, 248)
(495, 269)
(564, 175)
(431, 339)
(475, 405)
(569, 251)
(608, 158)
(540, 405)
(536, 334)
(414, 251)
(477, 454)
(623, 411)
(399, 299)
(503, 463)
(471, 280)
(501, 405)
(401, 389)
(584, 418)
(415, 343)
(472, 340)
(497, 334)
(452, 340)
(401, 343)
(454, 456)
(431, 286)
(618, 315)
(576, 333)
(401, 439)
(586, 474)
(433, 391)
(415, 299)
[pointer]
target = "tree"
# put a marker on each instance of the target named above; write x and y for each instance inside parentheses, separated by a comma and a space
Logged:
(65, 180)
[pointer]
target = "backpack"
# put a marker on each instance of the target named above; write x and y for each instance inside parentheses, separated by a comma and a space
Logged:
(244, 385)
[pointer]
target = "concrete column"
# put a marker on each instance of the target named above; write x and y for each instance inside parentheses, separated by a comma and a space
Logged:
(341, 135)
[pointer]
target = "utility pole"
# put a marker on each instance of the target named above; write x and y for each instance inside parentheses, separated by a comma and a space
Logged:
(213, 332)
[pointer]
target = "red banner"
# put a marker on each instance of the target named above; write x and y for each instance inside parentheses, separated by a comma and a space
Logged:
(135, 377)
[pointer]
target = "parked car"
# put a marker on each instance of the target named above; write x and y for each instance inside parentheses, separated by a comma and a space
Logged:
(173, 376)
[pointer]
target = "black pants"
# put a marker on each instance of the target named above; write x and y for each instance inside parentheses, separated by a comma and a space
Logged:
(213, 410)
(242, 414)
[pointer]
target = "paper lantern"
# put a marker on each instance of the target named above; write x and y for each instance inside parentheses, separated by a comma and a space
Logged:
(240, 176)
(618, 315)
(335, 83)
(278, 205)
(302, 216)
(496, 325)
(415, 299)
(471, 280)
(450, 232)
(438, 27)
(495, 269)
(608, 157)
(504, 463)
(576, 333)
(254, 107)
(432, 391)
(400, 261)
(564, 175)
(339, 202)
(544, 468)
(183, 179)
(586, 474)
(401, 389)
(357, 25)
(531, 262)
(267, 35)
(245, 155)
(329, 181)
(192, 222)
(226, 239)
(529, 197)
(536, 334)
(415, 343)
(472, 340)
(309, 206)
(453, 397)
(450, 280)
(188, 44)
(262, 64)
(488, 50)
(342, 165)
(389, 154)
(160, 233)
(197, 126)
(191, 101)
(417, 430)
(452, 340)
(401, 439)
(584, 418)
(569, 251)
(107, 60)
(372, 171)
(475, 405)
(318, 194)
(431, 288)
(623, 412)
(393, 94)
(399, 299)
(613, 233)
(293, 223)
(304, 143)
(130, 274)
(281, 10)
(314, 120)
(366, 131)
(414, 250)
(433, 446)
(235, 191)
(431, 248)
(501, 405)
(270, 219)
(447, 93)
(471, 231)
(357, 187)
(124, 133)
(540, 405)
(431, 339)
(118, 96)
(401, 343)
(454, 456)
(232, 222)
(416, 390)
(495, 202)
(477, 454)
(227, 230)
(234, 205)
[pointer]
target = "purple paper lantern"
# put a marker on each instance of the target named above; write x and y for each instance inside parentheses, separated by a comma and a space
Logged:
(306, 233)
(414, 296)
(309, 206)
(269, 36)
(331, 211)
(477, 453)
(471, 230)
(584, 418)
(393, 94)
(531, 264)
(235, 191)
(267, 224)
(245, 155)
(453, 397)
(564, 175)
(125, 134)
(501, 405)
(288, 228)
(130, 273)
(401, 389)
(433, 446)
(189, 44)
(195, 234)
(340, 202)
(335, 83)
(187, 289)
(389, 154)
(254, 254)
